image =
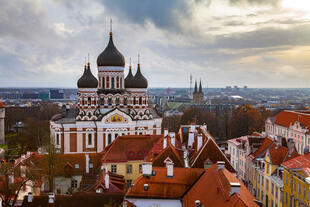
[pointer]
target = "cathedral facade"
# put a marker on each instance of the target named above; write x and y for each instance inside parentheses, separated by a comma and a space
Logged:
(107, 107)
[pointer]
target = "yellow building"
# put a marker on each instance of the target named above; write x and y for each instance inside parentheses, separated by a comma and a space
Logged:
(267, 172)
(126, 154)
(296, 181)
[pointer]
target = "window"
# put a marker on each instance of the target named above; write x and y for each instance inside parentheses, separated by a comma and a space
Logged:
(108, 82)
(128, 183)
(89, 139)
(103, 82)
(76, 166)
(134, 100)
(115, 136)
(112, 83)
(304, 193)
(57, 139)
(113, 169)
(129, 168)
(299, 189)
(140, 100)
(109, 101)
(91, 165)
(267, 184)
(89, 101)
(74, 184)
(117, 101)
(121, 83)
(125, 101)
(117, 82)
(272, 188)
(140, 168)
(294, 187)
(109, 138)
(276, 192)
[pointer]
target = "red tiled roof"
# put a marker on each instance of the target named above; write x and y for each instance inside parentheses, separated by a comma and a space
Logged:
(262, 149)
(130, 147)
(210, 151)
(286, 118)
(302, 161)
(213, 189)
(162, 187)
(170, 152)
(2, 105)
(279, 154)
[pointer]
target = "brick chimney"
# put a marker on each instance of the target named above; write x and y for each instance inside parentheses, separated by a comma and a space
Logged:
(165, 132)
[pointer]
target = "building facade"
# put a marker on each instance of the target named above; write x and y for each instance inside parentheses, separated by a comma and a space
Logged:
(2, 116)
(107, 107)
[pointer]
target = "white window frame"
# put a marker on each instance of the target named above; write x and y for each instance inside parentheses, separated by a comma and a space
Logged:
(92, 133)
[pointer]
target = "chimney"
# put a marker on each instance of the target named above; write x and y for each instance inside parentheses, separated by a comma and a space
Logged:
(28, 153)
(169, 166)
(23, 157)
(165, 143)
(279, 141)
(190, 139)
(197, 203)
(234, 188)
(199, 141)
(165, 132)
(172, 134)
(30, 197)
(291, 146)
(87, 163)
(147, 169)
(192, 129)
(173, 141)
(51, 197)
(220, 165)
(107, 181)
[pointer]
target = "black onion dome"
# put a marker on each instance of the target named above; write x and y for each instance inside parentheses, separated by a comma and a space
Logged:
(139, 81)
(87, 80)
(129, 79)
(111, 56)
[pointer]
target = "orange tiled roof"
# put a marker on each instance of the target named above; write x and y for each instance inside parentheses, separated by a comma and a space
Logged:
(302, 161)
(213, 189)
(286, 118)
(130, 147)
(162, 187)
(2, 105)
(279, 154)
(262, 149)
(170, 152)
(210, 151)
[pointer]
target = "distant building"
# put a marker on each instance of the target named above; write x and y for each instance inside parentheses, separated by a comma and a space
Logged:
(198, 95)
(56, 94)
(2, 117)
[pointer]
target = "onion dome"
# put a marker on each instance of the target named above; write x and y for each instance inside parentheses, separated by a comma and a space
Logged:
(129, 79)
(111, 56)
(139, 81)
(87, 80)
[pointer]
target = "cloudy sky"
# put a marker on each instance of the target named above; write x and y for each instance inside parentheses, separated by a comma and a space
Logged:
(258, 43)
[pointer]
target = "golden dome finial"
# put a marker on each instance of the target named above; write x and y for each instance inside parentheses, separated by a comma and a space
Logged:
(138, 59)
(88, 63)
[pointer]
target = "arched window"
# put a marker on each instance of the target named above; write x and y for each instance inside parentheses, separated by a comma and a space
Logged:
(108, 82)
(117, 101)
(109, 138)
(90, 140)
(134, 100)
(121, 83)
(112, 83)
(117, 82)
(89, 101)
(140, 100)
(109, 101)
(57, 139)
(125, 101)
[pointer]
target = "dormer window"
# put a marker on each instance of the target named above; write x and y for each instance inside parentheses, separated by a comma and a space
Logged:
(76, 166)
(91, 165)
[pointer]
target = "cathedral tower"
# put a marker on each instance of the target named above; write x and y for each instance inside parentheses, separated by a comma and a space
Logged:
(198, 94)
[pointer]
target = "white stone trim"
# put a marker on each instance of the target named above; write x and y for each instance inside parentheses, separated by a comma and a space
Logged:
(88, 89)
(92, 133)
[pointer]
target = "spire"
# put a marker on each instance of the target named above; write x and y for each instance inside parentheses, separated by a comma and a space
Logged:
(88, 63)
(200, 87)
(111, 33)
(195, 90)
(130, 63)
(138, 61)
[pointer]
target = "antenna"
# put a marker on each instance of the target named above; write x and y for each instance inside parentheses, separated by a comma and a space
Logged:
(111, 27)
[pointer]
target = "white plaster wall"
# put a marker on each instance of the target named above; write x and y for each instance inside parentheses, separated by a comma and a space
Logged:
(66, 142)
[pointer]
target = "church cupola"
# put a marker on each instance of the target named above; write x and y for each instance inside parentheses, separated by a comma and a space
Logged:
(129, 78)
(110, 55)
(139, 81)
(87, 80)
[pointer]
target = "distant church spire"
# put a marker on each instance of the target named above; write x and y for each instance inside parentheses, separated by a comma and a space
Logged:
(195, 90)
(200, 87)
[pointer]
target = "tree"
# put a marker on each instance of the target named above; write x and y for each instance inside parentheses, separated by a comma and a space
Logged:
(171, 122)
(14, 178)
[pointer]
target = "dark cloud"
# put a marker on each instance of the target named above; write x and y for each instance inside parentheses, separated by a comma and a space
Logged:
(164, 14)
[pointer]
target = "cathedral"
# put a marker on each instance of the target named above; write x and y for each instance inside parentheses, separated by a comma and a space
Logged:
(198, 94)
(108, 106)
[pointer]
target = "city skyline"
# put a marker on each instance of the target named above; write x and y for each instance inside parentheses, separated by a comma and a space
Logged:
(257, 43)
